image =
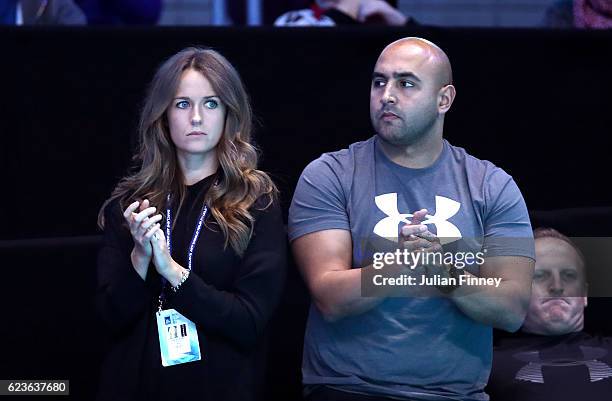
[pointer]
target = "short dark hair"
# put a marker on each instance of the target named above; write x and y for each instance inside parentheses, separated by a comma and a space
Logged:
(548, 232)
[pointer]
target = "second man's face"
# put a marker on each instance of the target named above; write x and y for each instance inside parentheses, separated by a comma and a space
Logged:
(559, 288)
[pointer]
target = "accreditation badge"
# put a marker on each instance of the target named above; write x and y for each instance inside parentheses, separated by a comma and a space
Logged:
(178, 338)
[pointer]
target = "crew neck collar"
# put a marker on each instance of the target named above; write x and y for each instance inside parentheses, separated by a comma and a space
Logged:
(441, 157)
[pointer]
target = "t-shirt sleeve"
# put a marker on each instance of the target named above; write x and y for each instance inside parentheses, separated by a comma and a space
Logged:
(319, 201)
(506, 225)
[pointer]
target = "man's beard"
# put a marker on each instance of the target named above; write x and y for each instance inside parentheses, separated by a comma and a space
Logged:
(403, 134)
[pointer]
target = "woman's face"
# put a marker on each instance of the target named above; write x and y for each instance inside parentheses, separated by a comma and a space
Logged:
(196, 116)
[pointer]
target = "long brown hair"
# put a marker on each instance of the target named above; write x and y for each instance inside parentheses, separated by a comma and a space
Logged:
(155, 162)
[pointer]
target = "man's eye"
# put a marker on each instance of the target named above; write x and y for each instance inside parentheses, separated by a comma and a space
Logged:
(211, 104)
(377, 83)
(539, 275)
(570, 275)
(406, 84)
(183, 104)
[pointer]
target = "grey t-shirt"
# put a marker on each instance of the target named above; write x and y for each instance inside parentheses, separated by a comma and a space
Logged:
(421, 348)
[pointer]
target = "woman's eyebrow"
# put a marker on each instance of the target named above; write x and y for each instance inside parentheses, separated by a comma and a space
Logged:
(188, 98)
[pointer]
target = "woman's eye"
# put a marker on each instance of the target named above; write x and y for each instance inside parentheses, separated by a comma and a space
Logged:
(211, 104)
(183, 104)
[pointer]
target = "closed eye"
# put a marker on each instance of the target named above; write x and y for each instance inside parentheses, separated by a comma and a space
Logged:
(540, 275)
(570, 275)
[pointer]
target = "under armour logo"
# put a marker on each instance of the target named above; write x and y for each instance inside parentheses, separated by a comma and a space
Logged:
(445, 209)
(532, 372)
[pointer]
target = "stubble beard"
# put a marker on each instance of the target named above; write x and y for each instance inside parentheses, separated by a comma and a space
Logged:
(402, 134)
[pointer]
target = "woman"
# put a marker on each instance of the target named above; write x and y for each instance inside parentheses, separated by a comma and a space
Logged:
(211, 264)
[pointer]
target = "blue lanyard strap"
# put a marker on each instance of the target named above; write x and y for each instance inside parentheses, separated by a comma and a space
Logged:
(192, 245)
(196, 233)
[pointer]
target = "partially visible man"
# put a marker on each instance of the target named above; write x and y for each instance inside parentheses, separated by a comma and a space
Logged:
(586, 14)
(407, 188)
(552, 358)
(345, 12)
(40, 12)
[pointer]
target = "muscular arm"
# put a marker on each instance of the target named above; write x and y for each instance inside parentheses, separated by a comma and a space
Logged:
(507, 232)
(502, 307)
(324, 259)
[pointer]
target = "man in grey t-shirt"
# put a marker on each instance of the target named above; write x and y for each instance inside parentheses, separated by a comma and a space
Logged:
(409, 189)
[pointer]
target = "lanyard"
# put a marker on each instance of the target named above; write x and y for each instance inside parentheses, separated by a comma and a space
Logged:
(192, 244)
(196, 233)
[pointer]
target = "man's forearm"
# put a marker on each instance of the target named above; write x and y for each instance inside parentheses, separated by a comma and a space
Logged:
(502, 307)
(340, 292)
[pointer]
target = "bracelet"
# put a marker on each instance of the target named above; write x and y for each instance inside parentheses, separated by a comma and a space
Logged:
(184, 276)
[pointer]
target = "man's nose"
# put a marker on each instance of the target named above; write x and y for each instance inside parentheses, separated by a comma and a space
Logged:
(389, 95)
(556, 285)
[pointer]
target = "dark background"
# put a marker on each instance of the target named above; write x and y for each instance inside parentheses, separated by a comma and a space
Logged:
(536, 103)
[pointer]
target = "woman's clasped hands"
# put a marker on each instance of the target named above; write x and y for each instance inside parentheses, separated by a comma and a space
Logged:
(149, 239)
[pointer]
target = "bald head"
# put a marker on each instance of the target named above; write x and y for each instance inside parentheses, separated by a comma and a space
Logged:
(410, 94)
(427, 54)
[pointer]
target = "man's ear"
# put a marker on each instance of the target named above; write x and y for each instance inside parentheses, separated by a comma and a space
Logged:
(446, 96)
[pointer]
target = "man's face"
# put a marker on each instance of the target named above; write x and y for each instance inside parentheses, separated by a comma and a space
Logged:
(558, 295)
(404, 94)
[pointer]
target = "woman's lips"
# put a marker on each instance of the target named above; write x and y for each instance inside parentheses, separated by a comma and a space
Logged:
(192, 133)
